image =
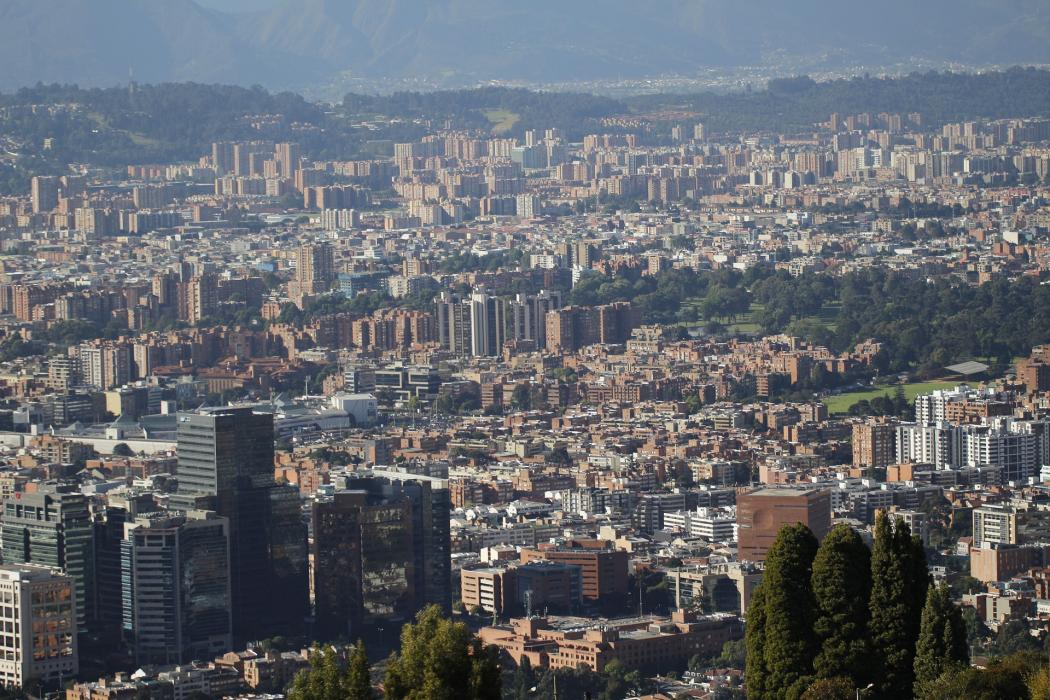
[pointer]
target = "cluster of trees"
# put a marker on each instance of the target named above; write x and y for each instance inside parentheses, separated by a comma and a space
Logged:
(60, 336)
(931, 324)
(454, 404)
(439, 660)
(923, 325)
(442, 660)
(660, 297)
(365, 303)
(152, 123)
(801, 102)
(327, 679)
(839, 615)
(885, 405)
(614, 682)
(907, 209)
(471, 262)
(575, 113)
(786, 104)
(1021, 676)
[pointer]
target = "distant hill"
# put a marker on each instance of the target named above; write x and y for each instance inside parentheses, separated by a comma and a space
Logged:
(105, 42)
(304, 42)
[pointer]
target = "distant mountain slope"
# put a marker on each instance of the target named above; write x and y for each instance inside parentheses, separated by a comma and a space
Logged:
(301, 42)
(101, 42)
(565, 39)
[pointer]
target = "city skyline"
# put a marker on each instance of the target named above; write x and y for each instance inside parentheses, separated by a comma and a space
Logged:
(473, 350)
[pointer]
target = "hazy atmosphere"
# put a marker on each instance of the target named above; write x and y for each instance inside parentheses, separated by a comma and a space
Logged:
(524, 349)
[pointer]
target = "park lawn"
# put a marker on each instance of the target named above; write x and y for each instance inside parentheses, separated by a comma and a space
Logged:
(841, 402)
(829, 315)
(502, 120)
(137, 139)
(745, 323)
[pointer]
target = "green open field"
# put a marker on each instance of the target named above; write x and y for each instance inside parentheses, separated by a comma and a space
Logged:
(137, 139)
(745, 323)
(842, 402)
(502, 120)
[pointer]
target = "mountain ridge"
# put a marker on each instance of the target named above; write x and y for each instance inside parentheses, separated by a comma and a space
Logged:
(299, 43)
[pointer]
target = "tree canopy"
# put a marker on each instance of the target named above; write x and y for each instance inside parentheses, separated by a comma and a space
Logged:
(441, 660)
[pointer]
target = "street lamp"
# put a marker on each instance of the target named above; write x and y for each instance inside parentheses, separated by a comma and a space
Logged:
(861, 690)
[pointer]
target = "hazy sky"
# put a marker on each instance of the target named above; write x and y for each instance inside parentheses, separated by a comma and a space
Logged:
(238, 5)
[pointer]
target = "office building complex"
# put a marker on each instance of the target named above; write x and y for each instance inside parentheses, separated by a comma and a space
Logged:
(603, 569)
(381, 552)
(53, 528)
(175, 583)
(226, 455)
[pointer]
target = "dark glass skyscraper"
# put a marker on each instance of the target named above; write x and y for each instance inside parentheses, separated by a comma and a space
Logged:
(381, 552)
(228, 454)
(175, 583)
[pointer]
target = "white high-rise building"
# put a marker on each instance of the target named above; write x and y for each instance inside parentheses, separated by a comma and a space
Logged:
(936, 443)
(1018, 448)
(528, 205)
(340, 219)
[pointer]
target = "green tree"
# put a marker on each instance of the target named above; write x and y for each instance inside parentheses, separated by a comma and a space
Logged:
(358, 681)
(486, 672)
(1013, 637)
(618, 680)
(898, 568)
(323, 680)
(436, 662)
(560, 456)
(788, 644)
(693, 404)
(842, 589)
(1039, 684)
(521, 398)
(734, 654)
(121, 449)
(1004, 678)
(524, 679)
(942, 637)
(756, 674)
(830, 689)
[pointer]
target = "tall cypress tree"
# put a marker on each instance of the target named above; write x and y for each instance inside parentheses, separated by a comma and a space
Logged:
(789, 643)
(322, 681)
(919, 579)
(942, 637)
(358, 681)
(755, 640)
(899, 574)
(842, 589)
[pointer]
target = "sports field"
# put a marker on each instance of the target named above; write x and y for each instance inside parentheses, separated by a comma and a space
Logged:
(842, 402)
